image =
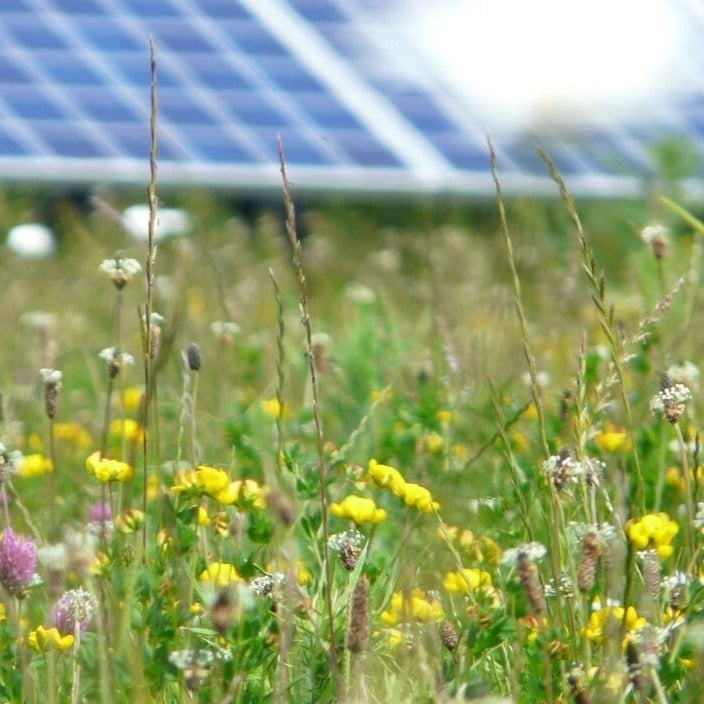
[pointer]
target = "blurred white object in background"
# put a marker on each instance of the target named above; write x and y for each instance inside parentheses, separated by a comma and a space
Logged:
(170, 222)
(522, 65)
(31, 240)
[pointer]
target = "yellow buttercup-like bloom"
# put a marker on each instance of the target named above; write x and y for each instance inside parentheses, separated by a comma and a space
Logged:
(601, 621)
(106, 470)
(131, 429)
(132, 397)
(35, 465)
(129, 521)
(612, 438)
(416, 606)
(216, 483)
(273, 408)
(220, 574)
(42, 639)
(73, 433)
(246, 493)
(390, 478)
(386, 477)
(358, 509)
(654, 530)
(419, 497)
(467, 580)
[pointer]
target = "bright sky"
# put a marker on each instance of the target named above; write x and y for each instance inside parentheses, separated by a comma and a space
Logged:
(523, 64)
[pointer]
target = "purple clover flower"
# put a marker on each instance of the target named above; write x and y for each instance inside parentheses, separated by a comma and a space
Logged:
(73, 610)
(18, 560)
(100, 512)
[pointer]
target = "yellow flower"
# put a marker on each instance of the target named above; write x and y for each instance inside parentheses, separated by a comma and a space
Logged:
(444, 416)
(612, 438)
(433, 442)
(467, 580)
(35, 466)
(132, 397)
(603, 620)
(460, 451)
(386, 477)
(211, 480)
(196, 608)
(42, 639)
(273, 409)
(358, 509)
(131, 430)
(73, 433)
(654, 530)
(416, 606)
(100, 564)
(3, 615)
(106, 470)
(303, 574)
(419, 497)
(202, 518)
(519, 442)
(530, 413)
(220, 574)
(246, 493)
(129, 521)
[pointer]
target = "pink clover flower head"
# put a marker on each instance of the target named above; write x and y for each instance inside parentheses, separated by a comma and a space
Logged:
(18, 560)
(100, 512)
(73, 611)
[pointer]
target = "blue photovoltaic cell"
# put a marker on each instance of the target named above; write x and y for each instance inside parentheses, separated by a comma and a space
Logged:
(10, 73)
(221, 9)
(67, 140)
(253, 109)
(136, 71)
(297, 148)
(106, 35)
(319, 10)
(215, 74)
(14, 6)
(180, 36)
(31, 104)
(461, 152)
(253, 39)
(67, 68)
(183, 109)
(151, 8)
(288, 74)
(365, 150)
(325, 111)
(78, 7)
(9, 146)
(217, 146)
(32, 33)
(104, 106)
(134, 140)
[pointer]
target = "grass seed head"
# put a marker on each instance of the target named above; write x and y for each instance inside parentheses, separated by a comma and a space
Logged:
(358, 633)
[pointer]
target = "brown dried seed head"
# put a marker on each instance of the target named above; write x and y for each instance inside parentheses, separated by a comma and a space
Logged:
(651, 575)
(194, 357)
(635, 669)
(349, 554)
(591, 550)
(528, 575)
(223, 613)
(51, 398)
(154, 341)
(448, 635)
(358, 633)
(578, 688)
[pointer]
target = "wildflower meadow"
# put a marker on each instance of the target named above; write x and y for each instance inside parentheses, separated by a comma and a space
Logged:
(423, 454)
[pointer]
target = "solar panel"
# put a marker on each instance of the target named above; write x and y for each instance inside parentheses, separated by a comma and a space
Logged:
(353, 111)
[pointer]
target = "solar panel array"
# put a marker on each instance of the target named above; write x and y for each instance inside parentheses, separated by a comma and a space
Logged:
(232, 74)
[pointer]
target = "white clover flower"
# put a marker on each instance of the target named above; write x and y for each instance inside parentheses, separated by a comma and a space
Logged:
(120, 270)
(531, 551)
(670, 400)
(350, 538)
(563, 469)
(51, 376)
(112, 356)
(686, 373)
(673, 581)
(657, 237)
(224, 328)
(262, 586)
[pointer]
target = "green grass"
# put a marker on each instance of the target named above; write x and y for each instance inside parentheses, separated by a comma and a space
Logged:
(423, 371)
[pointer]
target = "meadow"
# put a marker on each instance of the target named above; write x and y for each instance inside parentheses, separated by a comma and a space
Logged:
(431, 452)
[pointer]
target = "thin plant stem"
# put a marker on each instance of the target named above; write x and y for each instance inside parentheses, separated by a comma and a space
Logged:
(598, 285)
(149, 270)
(52, 455)
(322, 479)
(280, 378)
(192, 420)
(689, 521)
(76, 674)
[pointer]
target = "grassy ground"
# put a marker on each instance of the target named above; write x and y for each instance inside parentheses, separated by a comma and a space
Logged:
(428, 416)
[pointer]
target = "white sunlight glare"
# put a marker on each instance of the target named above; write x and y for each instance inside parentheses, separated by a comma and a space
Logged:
(525, 64)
